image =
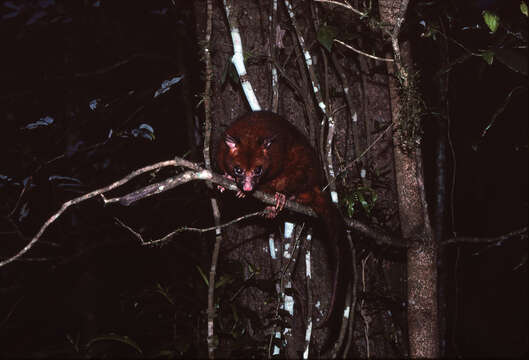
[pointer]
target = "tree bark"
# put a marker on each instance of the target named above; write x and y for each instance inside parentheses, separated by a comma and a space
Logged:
(247, 244)
(415, 225)
(377, 331)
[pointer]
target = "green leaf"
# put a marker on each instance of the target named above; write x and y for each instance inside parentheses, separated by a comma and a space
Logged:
(253, 270)
(363, 201)
(374, 196)
(523, 8)
(492, 20)
(488, 56)
(350, 209)
(115, 337)
(326, 36)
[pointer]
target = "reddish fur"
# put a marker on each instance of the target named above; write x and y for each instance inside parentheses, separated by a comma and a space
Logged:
(289, 166)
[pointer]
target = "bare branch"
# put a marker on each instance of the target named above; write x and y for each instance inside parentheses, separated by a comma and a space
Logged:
(361, 52)
(522, 233)
(158, 188)
(308, 277)
(345, 5)
(238, 56)
(316, 88)
(186, 228)
(350, 165)
(275, 33)
(82, 198)
(354, 295)
(207, 161)
(402, 72)
(198, 174)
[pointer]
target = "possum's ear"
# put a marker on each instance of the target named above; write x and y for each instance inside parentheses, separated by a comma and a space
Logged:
(269, 140)
(231, 142)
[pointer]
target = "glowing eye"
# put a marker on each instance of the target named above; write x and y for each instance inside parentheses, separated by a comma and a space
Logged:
(237, 170)
(258, 170)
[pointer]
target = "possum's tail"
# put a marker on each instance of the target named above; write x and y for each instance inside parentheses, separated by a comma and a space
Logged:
(334, 227)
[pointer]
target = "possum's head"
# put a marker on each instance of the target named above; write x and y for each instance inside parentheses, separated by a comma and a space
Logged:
(248, 163)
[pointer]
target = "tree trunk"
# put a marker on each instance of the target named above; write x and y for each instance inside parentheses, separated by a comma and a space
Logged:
(247, 244)
(364, 117)
(423, 325)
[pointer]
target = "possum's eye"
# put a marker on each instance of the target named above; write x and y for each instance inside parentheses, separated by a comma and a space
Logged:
(237, 170)
(258, 170)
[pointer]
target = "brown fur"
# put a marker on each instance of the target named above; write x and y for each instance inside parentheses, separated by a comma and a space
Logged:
(273, 156)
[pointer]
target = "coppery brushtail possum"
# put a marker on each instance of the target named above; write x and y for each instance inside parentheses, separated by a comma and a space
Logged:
(261, 150)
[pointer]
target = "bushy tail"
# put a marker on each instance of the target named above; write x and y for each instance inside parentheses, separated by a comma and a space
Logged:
(334, 227)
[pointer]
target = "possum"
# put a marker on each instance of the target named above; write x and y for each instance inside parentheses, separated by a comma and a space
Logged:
(263, 151)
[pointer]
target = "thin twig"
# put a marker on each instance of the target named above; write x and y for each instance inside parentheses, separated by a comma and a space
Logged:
(316, 87)
(186, 228)
(345, 5)
(362, 154)
(486, 240)
(355, 297)
(84, 197)
(212, 344)
(284, 276)
(308, 264)
(343, 327)
(361, 52)
(363, 310)
(274, 33)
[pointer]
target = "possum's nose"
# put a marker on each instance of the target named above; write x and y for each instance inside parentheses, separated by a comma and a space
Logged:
(247, 184)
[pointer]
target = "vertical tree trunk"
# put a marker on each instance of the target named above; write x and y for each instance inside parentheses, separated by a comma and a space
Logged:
(422, 250)
(248, 245)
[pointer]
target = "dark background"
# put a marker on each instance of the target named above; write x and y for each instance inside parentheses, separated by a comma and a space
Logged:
(89, 277)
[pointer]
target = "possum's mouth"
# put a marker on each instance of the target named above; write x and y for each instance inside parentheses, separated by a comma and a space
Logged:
(247, 184)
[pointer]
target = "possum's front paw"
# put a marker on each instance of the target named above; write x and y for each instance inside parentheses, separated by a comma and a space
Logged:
(222, 188)
(271, 212)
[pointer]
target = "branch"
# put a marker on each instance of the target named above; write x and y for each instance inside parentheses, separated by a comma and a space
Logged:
(345, 5)
(361, 52)
(350, 165)
(159, 187)
(238, 57)
(522, 233)
(316, 88)
(186, 228)
(82, 198)
(276, 34)
(354, 296)
(308, 276)
(402, 72)
(501, 109)
(198, 174)
(212, 344)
